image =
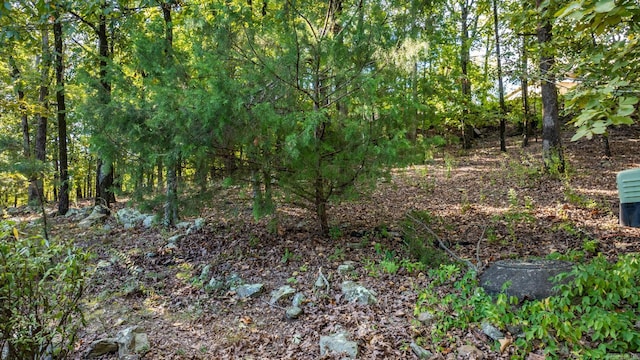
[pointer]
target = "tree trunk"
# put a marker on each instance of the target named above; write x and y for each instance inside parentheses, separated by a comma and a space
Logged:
(503, 111)
(36, 189)
(63, 200)
(16, 75)
(171, 201)
(465, 59)
(104, 170)
(552, 154)
(524, 89)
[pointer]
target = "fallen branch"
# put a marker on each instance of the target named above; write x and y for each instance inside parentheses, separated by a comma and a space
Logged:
(442, 245)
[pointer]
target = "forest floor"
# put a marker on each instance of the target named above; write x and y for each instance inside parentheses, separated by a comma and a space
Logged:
(467, 194)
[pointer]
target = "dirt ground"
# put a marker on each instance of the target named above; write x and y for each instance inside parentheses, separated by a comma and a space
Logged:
(141, 282)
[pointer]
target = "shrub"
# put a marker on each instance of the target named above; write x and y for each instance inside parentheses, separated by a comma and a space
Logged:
(594, 315)
(41, 284)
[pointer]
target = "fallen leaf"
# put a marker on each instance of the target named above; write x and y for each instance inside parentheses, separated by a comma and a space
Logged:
(504, 344)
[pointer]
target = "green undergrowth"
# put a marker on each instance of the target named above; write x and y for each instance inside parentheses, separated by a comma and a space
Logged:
(596, 313)
(41, 285)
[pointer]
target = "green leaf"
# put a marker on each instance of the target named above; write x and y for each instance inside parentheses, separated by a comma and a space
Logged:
(621, 120)
(625, 110)
(582, 132)
(571, 8)
(630, 100)
(605, 6)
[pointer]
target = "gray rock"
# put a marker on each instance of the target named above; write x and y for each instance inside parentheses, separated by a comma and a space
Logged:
(529, 279)
(205, 273)
(174, 239)
(132, 340)
(283, 292)
(183, 225)
(98, 215)
(215, 285)
(101, 347)
(298, 299)
(322, 282)
(420, 352)
(129, 218)
(296, 339)
(293, 312)
(346, 267)
(198, 224)
(354, 292)
(470, 351)
(149, 221)
(249, 290)
(491, 331)
(426, 317)
(338, 344)
(232, 281)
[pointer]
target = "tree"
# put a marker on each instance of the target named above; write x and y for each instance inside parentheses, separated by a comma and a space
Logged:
(63, 201)
(503, 110)
(605, 43)
(552, 153)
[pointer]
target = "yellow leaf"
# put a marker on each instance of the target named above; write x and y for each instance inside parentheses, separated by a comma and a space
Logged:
(504, 344)
(15, 233)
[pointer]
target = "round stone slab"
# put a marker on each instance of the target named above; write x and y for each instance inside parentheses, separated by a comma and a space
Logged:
(530, 279)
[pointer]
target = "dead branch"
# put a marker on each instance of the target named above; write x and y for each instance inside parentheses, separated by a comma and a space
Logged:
(442, 245)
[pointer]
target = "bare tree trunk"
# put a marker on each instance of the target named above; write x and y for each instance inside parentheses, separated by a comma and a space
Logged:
(104, 169)
(524, 87)
(503, 111)
(63, 201)
(552, 154)
(171, 201)
(465, 60)
(36, 189)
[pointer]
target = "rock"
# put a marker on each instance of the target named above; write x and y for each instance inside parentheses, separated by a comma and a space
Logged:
(205, 273)
(98, 215)
(491, 331)
(183, 225)
(232, 281)
(101, 347)
(132, 340)
(338, 344)
(296, 339)
(174, 239)
(419, 351)
(250, 290)
(149, 221)
(470, 351)
(282, 293)
(354, 292)
(293, 312)
(198, 224)
(129, 218)
(321, 282)
(530, 279)
(346, 267)
(298, 299)
(215, 285)
(426, 317)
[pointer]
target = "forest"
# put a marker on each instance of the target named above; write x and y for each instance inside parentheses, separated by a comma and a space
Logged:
(214, 144)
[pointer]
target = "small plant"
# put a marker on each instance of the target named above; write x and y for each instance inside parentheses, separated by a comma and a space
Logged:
(288, 256)
(412, 266)
(335, 232)
(292, 280)
(590, 246)
(42, 283)
(389, 266)
(338, 254)
(253, 241)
